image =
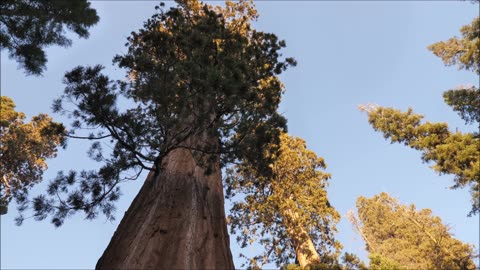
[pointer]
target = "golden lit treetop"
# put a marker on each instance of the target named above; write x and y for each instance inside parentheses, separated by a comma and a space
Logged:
(399, 236)
(24, 148)
(463, 52)
(276, 211)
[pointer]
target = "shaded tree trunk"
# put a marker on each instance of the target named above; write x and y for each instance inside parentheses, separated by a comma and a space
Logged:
(305, 250)
(177, 220)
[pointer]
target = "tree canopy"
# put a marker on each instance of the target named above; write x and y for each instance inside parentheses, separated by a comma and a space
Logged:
(27, 27)
(24, 148)
(398, 236)
(287, 212)
(451, 152)
(193, 69)
(463, 52)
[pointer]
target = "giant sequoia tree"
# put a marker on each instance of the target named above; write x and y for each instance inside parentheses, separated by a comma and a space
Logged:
(27, 27)
(398, 236)
(287, 212)
(24, 148)
(202, 91)
(450, 152)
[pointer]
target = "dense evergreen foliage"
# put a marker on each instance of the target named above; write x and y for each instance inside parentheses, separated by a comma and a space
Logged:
(27, 27)
(24, 148)
(193, 69)
(451, 152)
(288, 212)
(463, 52)
(398, 236)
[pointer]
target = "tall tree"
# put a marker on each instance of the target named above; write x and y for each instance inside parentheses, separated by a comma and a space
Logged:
(203, 90)
(27, 27)
(398, 236)
(287, 212)
(24, 148)
(453, 153)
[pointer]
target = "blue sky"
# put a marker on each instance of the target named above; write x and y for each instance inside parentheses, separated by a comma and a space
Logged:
(348, 53)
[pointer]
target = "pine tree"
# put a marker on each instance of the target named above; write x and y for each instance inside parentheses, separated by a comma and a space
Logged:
(24, 148)
(451, 152)
(398, 236)
(27, 27)
(288, 212)
(203, 91)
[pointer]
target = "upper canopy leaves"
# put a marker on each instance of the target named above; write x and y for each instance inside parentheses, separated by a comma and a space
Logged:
(464, 52)
(193, 70)
(452, 153)
(24, 148)
(28, 26)
(277, 209)
(401, 237)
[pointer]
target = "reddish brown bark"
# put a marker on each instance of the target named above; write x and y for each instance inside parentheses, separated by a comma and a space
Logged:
(177, 221)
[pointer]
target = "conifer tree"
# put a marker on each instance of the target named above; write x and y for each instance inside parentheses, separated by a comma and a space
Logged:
(398, 236)
(27, 27)
(288, 212)
(450, 152)
(24, 148)
(203, 90)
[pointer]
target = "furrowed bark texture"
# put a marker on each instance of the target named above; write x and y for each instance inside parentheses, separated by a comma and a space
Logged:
(305, 250)
(177, 221)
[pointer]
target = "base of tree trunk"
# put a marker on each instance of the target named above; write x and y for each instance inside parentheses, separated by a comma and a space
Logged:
(177, 221)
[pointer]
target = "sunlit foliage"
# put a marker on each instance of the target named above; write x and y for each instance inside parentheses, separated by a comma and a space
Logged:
(463, 52)
(398, 236)
(450, 152)
(24, 148)
(288, 212)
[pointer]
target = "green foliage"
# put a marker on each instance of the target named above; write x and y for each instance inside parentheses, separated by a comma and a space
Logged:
(28, 26)
(401, 237)
(351, 261)
(451, 152)
(464, 52)
(312, 267)
(276, 207)
(378, 262)
(24, 148)
(199, 77)
(466, 102)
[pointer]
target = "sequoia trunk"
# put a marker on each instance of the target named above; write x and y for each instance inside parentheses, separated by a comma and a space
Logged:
(177, 221)
(305, 250)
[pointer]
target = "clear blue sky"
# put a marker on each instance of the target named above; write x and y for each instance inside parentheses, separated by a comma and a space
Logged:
(348, 53)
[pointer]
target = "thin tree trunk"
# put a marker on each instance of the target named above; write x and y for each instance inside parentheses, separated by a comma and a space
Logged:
(305, 250)
(177, 221)
(353, 219)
